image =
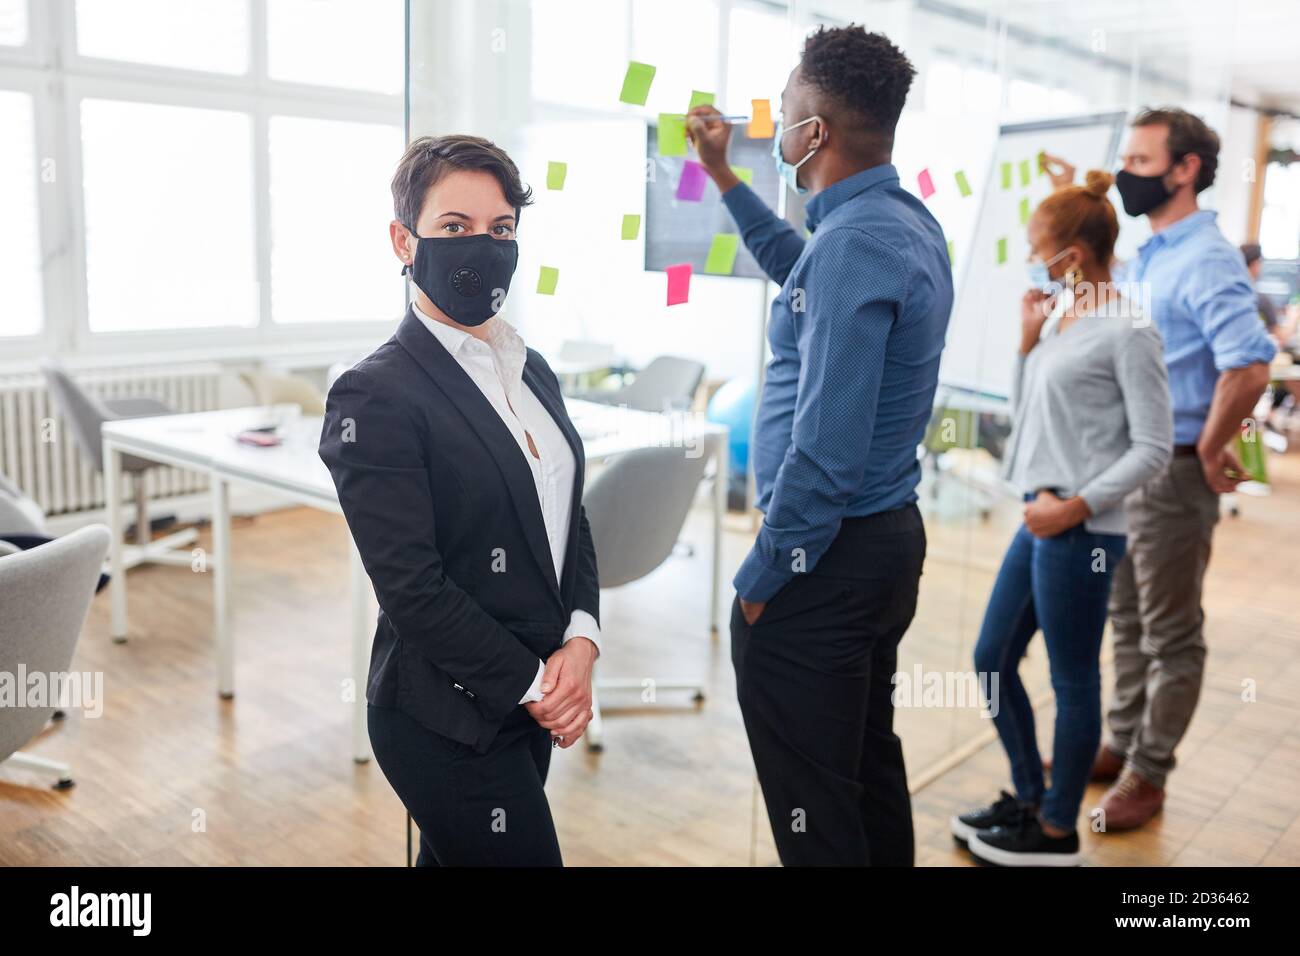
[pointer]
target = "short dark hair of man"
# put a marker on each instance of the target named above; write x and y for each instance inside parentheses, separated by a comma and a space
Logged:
(864, 73)
(1251, 252)
(1188, 134)
(429, 158)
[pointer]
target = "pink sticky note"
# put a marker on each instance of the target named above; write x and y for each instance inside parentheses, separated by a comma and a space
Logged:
(691, 186)
(679, 283)
(926, 183)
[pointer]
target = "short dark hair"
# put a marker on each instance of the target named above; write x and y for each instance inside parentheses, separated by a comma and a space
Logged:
(1188, 135)
(429, 158)
(863, 72)
(1251, 252)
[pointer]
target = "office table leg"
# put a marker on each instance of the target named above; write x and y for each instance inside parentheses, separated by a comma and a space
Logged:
(359, 586)
(220, 570)
(721, 454)
(116, 570)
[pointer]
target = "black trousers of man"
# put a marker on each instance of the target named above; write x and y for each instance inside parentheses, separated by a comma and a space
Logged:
(814, 676)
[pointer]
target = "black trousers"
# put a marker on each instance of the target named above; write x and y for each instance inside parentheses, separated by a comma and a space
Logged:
(814, 679)
(472, 809)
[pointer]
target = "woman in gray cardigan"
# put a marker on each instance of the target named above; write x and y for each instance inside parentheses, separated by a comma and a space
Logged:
(1092, 423)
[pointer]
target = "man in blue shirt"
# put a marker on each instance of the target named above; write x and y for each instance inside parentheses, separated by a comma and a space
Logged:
(1217, 351)
(830, 586)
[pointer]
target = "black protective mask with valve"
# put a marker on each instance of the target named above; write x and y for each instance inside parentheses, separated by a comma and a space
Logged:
(467, 277)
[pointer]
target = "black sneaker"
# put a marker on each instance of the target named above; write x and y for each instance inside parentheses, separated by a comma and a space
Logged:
(1025, 844)
(1006, 810)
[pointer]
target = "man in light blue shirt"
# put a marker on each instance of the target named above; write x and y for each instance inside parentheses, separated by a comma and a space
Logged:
(1217, 352)
(830, 586)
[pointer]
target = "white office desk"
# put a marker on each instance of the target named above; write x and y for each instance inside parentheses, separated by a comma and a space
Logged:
(205, 442)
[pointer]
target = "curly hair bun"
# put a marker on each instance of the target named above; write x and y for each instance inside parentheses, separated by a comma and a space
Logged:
(1098, 183)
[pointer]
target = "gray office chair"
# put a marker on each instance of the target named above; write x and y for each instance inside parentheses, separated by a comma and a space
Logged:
(45, 593)
(667, 384)
(85, 413)
(273, 388)
(637, 507)
(18, 513)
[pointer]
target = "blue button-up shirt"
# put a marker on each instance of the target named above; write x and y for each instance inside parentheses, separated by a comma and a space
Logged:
(1197, 290)
(856, 333)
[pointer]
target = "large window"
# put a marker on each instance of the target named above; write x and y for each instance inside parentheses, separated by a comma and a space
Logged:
(169, 227)
(20, 256)
(315, 242)
(207, 35)
(196, 172)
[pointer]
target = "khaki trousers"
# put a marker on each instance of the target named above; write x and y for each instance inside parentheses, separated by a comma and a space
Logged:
(1156, 617)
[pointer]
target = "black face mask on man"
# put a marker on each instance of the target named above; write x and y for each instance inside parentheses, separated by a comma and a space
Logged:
(1142, 194)
(467, 277)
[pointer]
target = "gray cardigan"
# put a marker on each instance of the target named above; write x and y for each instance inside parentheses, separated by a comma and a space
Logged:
(1092, 415)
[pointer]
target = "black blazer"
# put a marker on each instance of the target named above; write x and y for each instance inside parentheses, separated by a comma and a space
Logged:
(443, 509)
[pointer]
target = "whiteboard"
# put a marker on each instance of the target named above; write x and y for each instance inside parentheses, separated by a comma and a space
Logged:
(984, 330)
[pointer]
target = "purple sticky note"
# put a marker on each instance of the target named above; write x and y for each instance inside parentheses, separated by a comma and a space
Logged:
(926, 183)
(691, 186)
(679, 283)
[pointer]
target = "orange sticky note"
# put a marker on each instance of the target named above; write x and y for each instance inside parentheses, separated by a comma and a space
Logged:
(760, 120)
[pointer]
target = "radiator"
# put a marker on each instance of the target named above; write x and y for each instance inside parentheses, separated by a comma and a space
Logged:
(39, 452)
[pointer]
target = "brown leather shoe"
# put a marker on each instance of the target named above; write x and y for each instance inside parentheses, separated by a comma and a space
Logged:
(1105, 768)
(1131, 802)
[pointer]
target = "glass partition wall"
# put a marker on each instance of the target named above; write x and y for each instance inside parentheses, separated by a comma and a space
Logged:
(542, 79)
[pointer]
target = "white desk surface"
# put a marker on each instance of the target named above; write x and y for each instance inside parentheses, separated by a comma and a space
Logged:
(206, 441)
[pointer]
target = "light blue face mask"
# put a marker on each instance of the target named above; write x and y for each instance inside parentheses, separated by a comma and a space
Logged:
(790, 172)
(1039, 277)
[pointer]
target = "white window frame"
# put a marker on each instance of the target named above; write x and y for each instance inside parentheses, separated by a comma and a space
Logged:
(49, 68)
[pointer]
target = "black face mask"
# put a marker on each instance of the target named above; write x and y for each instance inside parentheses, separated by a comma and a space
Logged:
(467, 277)
(1142, 194)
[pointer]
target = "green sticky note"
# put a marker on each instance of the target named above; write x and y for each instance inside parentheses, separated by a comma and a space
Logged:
(744, 174)
(636, 83)
(963, 186)
(1006, 175)
(555, 173)
(672, 134)
(547, 279)
(631, 225)
(1002, 251)
(700, 98)
(949, 252)
(1024, 210)
(1024, 172)
(722, 254)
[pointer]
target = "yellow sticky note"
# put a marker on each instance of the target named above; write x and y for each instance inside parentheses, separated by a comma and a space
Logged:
(963, 185)
(949, 252)
(700, 98)
(722, 254)
(547, 279)
(1024, 172)
(1002, 251)
(744, 174)
(555, 173)
(1024, 211)
(1006, 175)
(760, 120)
(672, 134)
(631, 225)
(636, 83)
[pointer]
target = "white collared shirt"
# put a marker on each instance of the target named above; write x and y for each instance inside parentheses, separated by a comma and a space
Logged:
(497, 368)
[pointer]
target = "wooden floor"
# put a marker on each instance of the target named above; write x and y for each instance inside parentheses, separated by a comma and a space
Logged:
(171, 774)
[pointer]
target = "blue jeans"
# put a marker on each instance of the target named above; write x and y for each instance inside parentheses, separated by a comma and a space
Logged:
(1061, 585)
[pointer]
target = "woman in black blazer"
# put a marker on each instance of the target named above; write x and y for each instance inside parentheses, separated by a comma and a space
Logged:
(460, 476)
